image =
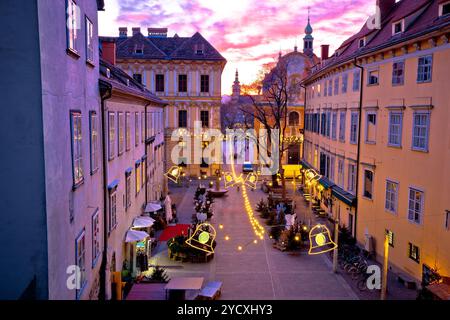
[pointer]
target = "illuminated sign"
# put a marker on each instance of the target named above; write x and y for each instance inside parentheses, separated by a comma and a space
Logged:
(203, 238)
(320, 240)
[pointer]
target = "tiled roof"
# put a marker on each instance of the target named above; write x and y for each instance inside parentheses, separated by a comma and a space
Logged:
(424, 19)
(120, 80)
(165, 48)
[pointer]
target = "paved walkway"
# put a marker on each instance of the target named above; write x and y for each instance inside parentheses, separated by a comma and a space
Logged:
(258, 271)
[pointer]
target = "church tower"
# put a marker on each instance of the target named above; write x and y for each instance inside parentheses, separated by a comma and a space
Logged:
(308, 40)
(236, 87)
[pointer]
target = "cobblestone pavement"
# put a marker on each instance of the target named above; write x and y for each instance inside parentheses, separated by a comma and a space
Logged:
(258, 271)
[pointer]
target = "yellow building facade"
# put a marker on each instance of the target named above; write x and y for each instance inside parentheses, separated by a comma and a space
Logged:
(400, 118)
(184, 71)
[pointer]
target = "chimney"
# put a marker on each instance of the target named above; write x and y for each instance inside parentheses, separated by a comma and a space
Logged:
(158, 33)
(325, 51)
(123, 32)
(385, 7)
(136, 31)
(108, 51)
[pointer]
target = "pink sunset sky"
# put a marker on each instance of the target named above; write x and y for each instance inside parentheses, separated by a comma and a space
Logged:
(248, 33)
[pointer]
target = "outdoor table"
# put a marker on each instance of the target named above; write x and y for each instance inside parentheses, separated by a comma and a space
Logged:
(181, 284)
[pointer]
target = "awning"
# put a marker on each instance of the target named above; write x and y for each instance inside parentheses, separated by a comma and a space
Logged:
(326, 183)
(343, 195)
(134, 236)
(152, 207)
(143, 222)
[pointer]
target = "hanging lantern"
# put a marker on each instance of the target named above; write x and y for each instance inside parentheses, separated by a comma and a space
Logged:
(203, 238)
(320, 240)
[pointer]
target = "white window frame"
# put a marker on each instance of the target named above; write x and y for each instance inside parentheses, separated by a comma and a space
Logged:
(336, 85)
(93, 141)
(77, 147)
(351, 183)
(425, 127)
(344, 83)
(334, 120)
(391, 196)
(415, 216)
(354, 127)
(421, 70)
(391, 127)
(371, 113)
(136, 129)
(80, 262)
(402, 27)
(95, 222)
(111, 135)
(441, 8)
(342, 125)
(412, 246)
(89, 41)
(112, 209)
(120, 133)
(356, 80)
(127, 131)
(396, 79)
(72, 25)
(371, 185)
(371, 77)
(341, 173)
(127, 190)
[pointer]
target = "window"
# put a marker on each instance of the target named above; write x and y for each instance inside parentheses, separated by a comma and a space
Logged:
(325, 88)
(398, 73)
(344, 83)
(421, 123)
(138, 77)
(95, 238)
(332, 168)
(182, 118)
(77, 158)
(80, 259)
(334, 126)
(444, 9)
(128, 189)
(362, 42)
(447, 219)
(182, 83)
(328, 124)
(294, 119)
(138, 177)
(136, 129)
(336, 86)
(373, 77)
(342, 117)
(351, 178)
(413, 252)
(127, 131)
(395, 129)
(112, 134)
(368, 184)
(121, 132)
(159, 83)
(112, 210)
(144, 166)
(391, 196)
(340, 181)
(204, 118)
(73, 18)
(330, 88)
(89, 41)
(424, 70)
(390, 236)
(323, 123)
(356, 80)
(415, 207)
(354, 128)
(93, 126)
(204, 83)
(371, 126)
(397, 27)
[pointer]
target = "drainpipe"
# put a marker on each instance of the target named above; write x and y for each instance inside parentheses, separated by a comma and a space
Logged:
(105, 94)
(146, 155)
(304, 123)
(358, 154)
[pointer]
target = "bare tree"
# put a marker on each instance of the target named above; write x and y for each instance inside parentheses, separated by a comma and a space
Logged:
(271, 110)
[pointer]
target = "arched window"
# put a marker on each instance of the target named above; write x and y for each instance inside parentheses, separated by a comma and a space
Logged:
(294, 119)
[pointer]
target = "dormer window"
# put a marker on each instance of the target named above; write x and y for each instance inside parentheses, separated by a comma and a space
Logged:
(398, 27)
(199, 49)
(362, 42)
(444, 9)
(139, 51)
